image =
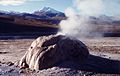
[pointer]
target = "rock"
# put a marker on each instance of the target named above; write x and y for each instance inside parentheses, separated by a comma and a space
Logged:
(48, 51)
(21, 71)
(16, 63)
(11, 70)
(10, 63)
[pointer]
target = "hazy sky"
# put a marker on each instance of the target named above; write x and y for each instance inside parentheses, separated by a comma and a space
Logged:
(111, 7)
(32, 5)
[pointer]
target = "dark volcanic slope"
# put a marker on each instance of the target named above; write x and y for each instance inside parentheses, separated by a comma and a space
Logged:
(17, 29)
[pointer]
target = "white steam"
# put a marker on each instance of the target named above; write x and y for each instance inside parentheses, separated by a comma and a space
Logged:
(89, 7)
(78, 23)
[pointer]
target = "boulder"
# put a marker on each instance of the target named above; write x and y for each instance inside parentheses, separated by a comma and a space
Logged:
(48, 51)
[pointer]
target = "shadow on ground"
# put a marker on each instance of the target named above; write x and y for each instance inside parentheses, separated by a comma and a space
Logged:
(94, 64)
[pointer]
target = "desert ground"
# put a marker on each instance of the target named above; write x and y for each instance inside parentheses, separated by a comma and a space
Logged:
(12, 50)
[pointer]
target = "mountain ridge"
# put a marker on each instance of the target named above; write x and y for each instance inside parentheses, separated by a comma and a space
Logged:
(49, 12)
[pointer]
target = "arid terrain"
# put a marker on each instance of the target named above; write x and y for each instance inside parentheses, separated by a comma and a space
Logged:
(12, 50)
(87, 42)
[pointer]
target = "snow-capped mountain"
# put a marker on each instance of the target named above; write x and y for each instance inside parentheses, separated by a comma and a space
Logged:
(49, 12)
(44, 13)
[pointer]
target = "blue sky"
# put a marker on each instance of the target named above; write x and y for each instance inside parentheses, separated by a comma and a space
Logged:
(33, 5)
(112, 7)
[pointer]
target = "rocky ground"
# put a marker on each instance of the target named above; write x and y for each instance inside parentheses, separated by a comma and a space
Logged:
(102, 50)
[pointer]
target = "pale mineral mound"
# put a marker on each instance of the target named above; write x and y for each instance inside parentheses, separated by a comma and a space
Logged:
(48, 51)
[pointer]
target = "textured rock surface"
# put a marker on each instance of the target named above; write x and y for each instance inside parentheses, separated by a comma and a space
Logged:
(48, 51)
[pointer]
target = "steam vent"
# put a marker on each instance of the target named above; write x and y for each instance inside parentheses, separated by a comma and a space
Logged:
(48, 51)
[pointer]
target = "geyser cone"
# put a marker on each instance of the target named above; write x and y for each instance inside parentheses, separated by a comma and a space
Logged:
(49, 51)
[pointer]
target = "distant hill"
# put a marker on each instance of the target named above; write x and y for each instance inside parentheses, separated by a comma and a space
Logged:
(12, 29)
(50, 18)
(45, 13)
(15, 23)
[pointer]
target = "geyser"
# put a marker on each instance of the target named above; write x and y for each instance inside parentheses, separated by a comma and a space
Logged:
(49, 51)
(78, 23)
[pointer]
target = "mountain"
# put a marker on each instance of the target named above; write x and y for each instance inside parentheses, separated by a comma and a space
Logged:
(49, 12)
(26, 24)
(50, 18)
(44, 13)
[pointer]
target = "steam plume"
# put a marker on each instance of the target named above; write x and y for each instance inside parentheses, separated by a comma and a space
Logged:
(78, 23)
